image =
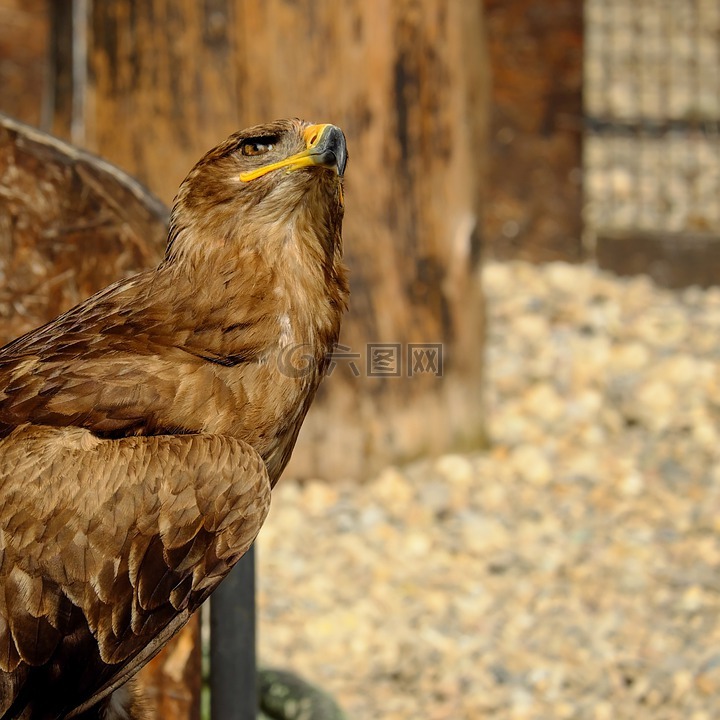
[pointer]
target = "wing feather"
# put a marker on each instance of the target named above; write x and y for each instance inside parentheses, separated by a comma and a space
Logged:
(110, 544)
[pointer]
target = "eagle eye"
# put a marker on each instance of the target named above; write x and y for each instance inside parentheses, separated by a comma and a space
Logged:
(258, 146)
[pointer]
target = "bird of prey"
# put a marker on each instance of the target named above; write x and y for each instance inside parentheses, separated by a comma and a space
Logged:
(142, 430)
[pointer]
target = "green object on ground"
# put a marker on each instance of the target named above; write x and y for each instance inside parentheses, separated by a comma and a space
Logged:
(284, 696)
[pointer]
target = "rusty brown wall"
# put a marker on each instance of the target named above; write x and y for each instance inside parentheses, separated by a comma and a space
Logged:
(534, 201)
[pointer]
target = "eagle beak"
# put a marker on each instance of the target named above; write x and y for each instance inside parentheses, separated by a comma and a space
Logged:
(325, 147)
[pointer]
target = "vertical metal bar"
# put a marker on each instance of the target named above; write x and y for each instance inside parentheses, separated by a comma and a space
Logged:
(233, 673)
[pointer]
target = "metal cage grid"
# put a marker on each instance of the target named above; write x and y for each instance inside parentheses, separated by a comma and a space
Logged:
(652, 109)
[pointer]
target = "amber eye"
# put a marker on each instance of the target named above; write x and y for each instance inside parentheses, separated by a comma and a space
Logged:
(257, 146)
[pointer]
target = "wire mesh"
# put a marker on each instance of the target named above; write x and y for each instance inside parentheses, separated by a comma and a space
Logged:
(652, 107)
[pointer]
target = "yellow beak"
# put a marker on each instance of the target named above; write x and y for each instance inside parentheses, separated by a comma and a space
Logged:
(325, 146)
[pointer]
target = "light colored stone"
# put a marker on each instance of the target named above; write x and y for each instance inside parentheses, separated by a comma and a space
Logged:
(531, 464)
(544, 402)
(318, 497)
(457, 469)
(629, 357)
(654, 403)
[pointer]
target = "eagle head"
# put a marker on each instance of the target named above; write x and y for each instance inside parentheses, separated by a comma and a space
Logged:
(258, 185)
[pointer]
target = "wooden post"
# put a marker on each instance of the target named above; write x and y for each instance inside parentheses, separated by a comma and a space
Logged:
(407, 82)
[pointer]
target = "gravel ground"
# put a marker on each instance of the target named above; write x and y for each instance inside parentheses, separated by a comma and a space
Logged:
(571, 570)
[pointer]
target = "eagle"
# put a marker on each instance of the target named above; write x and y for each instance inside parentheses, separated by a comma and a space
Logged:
(141, 431)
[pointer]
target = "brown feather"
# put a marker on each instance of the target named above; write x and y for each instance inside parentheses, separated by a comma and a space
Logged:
(141, 431)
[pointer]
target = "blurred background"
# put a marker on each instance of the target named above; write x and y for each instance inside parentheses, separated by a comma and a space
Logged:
(529, 529)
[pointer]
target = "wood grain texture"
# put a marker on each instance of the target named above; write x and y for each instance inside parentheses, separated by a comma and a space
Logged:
(171, 683)
(407, 80)
(69, 225)
(163, 85)
(24, 59)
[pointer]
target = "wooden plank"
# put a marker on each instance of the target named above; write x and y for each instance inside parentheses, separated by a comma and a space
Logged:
(24, 35)
(534, 185)
(172, 681)
(407, 82)
(70, 224)
(672, 259)
(162, 85)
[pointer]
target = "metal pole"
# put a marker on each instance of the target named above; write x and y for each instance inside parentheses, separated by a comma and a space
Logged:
(233, 683)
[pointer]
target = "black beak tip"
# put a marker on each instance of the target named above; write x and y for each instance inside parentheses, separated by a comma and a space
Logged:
(337, 145)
